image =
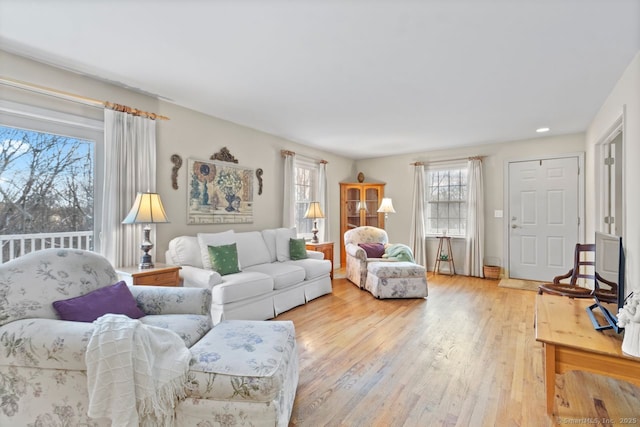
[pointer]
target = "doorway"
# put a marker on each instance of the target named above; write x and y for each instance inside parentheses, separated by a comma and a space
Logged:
(609, 170)
(545, 215)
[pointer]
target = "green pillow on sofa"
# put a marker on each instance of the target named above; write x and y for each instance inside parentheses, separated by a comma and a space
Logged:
(224, 259)
(297, 249)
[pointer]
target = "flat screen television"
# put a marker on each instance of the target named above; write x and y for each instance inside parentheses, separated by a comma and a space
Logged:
(609, 271)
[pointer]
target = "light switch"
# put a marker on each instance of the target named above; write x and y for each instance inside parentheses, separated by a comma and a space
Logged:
(497, 214)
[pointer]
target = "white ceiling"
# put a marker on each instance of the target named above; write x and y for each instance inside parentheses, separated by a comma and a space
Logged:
(359, 78)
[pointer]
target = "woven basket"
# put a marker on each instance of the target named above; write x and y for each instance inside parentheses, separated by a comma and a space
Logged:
(491, 272)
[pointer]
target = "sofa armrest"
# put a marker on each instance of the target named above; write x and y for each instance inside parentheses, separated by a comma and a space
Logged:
(172, 300)
(315, 254)
(194, 277)
(356, 251)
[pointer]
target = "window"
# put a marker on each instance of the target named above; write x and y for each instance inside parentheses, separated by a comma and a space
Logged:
(49, 179)
(306, 183)
(447, 201)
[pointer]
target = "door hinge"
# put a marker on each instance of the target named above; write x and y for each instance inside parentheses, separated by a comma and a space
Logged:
(609, 161)
(609, 220)
(578, 220)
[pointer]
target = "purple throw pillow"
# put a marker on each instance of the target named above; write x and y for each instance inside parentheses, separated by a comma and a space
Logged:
(114, 299)
(373, 250)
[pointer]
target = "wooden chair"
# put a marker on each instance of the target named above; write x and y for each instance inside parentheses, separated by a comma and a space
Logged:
(583, 268)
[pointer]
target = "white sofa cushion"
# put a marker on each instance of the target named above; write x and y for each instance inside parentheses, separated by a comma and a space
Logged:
(282, 242)
(252, 249)
(240, 286)
(313, 267)
(269, 237)
(283, 275)
(213, 239)
(185, 250)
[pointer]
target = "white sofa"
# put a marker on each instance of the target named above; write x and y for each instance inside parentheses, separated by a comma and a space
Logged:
(269, 282)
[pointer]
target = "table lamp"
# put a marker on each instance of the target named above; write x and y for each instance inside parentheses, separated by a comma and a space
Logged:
(147, 209)
(314, 212)
(386, 207)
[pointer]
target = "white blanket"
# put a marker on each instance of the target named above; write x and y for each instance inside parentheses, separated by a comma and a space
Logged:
(135, 372)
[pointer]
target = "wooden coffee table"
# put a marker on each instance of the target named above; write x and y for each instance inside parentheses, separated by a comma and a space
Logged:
(571, 343)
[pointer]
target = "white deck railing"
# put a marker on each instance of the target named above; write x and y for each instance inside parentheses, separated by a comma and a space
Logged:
(14, 245)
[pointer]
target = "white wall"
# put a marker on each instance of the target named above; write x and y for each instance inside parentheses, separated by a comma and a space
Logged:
(625, 95)
(397, 172)
(194, 135)
(191, 135)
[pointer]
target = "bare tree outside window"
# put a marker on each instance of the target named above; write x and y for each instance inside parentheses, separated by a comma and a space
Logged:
(46, 182)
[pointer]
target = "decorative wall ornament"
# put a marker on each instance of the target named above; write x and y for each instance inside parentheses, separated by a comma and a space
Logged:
(224, 155)
(220, 193)
(360, 177)
(177, 164)
(259, 176)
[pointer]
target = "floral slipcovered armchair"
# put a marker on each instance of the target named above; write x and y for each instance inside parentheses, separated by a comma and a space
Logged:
(43, 380)
(370, 244)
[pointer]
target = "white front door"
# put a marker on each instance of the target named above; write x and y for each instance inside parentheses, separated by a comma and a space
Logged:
(543, 217)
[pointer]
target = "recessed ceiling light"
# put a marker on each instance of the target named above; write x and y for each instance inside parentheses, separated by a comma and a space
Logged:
(542, 130)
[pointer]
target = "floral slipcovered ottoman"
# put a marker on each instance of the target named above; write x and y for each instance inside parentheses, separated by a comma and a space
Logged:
(245, 373)
(396, 280)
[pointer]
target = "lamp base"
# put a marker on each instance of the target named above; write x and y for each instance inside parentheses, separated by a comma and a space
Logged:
(314, 230)
(145, 262)
(146, 246)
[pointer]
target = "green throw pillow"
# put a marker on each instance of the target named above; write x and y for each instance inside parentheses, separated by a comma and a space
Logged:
(224, 259)
(297, 249)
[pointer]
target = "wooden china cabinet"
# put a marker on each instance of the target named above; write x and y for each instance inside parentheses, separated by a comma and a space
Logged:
(359, 204)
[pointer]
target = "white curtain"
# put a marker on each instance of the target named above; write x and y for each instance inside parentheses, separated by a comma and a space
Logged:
(289, 195)
(129, 168)
(323, 198)
(475, 219)
(417, 237)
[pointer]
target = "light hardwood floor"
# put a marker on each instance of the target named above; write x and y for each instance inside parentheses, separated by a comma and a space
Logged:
(465, 356)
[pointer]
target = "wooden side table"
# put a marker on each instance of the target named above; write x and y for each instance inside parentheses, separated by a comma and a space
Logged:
(159, 275)
(444, 254)
(571, 342)
(326, 248)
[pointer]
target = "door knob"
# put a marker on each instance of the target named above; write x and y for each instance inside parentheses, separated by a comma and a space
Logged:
(514, 226)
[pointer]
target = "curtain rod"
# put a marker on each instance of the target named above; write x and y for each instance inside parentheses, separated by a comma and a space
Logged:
(447, 160)
(285, 153)
(77, 98)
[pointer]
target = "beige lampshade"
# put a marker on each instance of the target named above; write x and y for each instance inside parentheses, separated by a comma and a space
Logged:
(314, 211)
(386, 206)
(147, 209)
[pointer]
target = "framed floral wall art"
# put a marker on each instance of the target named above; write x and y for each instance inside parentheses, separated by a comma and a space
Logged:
(219, 193)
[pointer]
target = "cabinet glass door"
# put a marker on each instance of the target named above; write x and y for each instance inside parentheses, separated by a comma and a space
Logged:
(371, 202)
(354, 206)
